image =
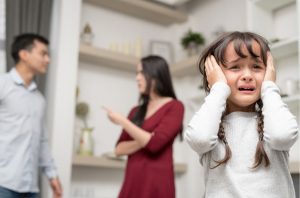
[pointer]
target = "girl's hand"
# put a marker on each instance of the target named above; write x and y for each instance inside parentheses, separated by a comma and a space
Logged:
(270, 70)
(213, 71)
(115, 117)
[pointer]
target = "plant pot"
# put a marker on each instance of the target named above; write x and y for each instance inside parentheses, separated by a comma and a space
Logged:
(193, 49)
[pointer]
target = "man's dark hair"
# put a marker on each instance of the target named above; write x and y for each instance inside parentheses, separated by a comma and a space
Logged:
(25, 42)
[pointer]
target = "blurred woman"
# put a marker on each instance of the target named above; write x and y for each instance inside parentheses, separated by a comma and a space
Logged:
(149, 132)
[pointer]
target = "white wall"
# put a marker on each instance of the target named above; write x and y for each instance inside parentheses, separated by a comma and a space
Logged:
(61, 87)
(110, 26)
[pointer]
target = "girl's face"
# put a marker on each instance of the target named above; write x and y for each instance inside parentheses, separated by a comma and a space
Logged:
(244, 76)
(140, 79)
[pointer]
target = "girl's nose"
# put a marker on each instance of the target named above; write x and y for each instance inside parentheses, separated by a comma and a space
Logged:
(247, 75)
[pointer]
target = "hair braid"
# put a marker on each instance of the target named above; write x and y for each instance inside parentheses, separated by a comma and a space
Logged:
(222, 137)
(260, 153)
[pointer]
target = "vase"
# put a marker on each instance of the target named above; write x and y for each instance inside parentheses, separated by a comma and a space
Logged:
(87, 38)
(86, 145)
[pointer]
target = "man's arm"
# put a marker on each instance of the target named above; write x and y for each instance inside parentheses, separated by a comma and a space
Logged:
(46, 162)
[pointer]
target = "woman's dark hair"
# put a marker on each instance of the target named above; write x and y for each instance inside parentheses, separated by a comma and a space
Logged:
(156, 69)
(217, 49)
(25, 42)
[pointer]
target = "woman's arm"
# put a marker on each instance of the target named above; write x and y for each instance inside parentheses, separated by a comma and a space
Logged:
(137, 133)
(127, 147)
(157, 139)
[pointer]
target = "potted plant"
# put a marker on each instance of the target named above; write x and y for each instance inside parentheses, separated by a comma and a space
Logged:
(86, 145)
(192, 41)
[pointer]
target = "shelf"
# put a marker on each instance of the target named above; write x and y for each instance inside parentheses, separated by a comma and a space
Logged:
(143, 9)
(107, 58)
(187, 66)
(272, 4)
(293, 103)
(125, 62)
(294, 167)
(104, 162)
(284, 48)
(292, 99)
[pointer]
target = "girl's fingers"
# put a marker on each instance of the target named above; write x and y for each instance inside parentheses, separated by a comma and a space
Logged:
(213, 61)
(270, 61)
(270, 69)
(207, 66)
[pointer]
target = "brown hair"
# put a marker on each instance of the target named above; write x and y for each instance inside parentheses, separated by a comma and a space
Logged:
(217, 49)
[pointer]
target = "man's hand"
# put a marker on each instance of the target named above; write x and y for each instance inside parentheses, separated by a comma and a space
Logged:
(56, 188)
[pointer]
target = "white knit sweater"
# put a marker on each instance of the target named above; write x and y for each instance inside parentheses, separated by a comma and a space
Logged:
(237, 179)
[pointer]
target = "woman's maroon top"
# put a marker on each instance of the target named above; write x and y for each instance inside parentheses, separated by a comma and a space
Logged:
(149, 171)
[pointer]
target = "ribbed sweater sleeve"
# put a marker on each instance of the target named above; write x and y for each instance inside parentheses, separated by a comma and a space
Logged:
(280, 126)
(201, 132)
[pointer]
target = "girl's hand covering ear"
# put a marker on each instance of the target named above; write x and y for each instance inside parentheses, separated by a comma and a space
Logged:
(213, 71)
(270, 69)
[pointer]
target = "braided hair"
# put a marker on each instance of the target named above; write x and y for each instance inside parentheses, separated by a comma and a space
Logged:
(217, 49)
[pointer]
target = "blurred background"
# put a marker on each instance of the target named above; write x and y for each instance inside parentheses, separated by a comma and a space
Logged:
(95, 46)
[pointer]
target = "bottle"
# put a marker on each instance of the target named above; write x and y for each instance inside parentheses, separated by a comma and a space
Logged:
(86, 145)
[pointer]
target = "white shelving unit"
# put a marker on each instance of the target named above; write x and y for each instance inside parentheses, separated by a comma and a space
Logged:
(276, 19)
(260, 16)
(143, 9)
(108, 58)
(285, 48)
(292, 99)
(104, 162)
(272, 4)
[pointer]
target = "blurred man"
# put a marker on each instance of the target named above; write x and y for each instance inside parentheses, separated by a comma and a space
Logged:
(23, 140)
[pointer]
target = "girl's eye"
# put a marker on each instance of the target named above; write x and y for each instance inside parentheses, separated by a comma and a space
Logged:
(257, 66)
(235, 67)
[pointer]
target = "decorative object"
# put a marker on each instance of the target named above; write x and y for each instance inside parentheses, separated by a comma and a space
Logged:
(163, 49)
(192, 41)
(82, 109)
(86, 144)
(87, 35)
